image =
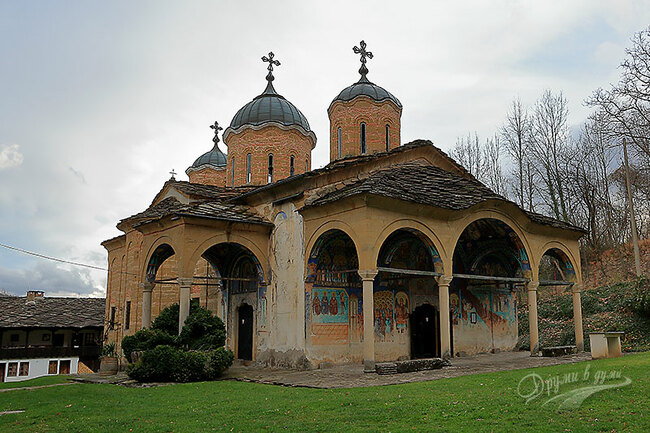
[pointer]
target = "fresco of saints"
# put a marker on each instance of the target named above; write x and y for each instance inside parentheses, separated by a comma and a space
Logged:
(342, 301)
(334, 305)
(401, 311)
(316, 304)
(324, 304)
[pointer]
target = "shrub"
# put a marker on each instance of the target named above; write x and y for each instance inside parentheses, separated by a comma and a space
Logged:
(194, 367)
(146, 339)
(167, 320)
(639, 302)
(160, 364)
(218, 361)
(203, 331)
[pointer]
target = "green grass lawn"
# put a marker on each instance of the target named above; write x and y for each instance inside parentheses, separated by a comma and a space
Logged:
(39, 381)
(477, 403)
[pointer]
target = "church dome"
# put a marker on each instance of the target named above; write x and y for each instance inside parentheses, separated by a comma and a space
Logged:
(363, 87)
(269, 107)
(214, 157)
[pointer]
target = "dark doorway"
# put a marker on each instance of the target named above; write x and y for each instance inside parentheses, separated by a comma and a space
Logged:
(425, 332)
(245, 334)
(2, 372)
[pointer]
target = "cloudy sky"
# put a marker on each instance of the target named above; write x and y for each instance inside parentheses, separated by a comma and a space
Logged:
(99, 101)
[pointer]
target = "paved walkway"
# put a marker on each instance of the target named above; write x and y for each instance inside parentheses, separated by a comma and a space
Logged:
(22, 388)
(352, 376)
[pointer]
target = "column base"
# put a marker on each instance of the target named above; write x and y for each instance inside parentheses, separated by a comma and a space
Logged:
(369, 366)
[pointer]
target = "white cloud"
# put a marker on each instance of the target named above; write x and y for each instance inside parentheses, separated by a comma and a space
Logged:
(10, 156)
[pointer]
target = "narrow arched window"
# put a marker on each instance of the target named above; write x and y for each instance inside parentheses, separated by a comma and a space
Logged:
(363, 138)
(232, 181)
(292, 165)
(387, 138)
(306, 165)
(270, 176)
(339, 150)
(249, 169)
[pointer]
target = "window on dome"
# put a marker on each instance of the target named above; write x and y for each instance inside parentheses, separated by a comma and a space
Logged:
(270, 176)
(363, 138)
(232, 180)
(306, 165)
(387, 138)
(339, 151)
(249, 169)
(292, 165)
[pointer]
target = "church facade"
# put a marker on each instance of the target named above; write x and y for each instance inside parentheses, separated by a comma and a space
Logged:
(391, 251)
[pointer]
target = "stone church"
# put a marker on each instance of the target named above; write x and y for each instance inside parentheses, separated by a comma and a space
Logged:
(391, 251)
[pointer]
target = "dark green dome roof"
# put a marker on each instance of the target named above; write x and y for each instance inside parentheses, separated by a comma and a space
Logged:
(363, 87)
(269, 107)
(213, 157)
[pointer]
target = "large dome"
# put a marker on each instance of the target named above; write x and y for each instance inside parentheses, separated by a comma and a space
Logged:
(269, 107)
(364, 87)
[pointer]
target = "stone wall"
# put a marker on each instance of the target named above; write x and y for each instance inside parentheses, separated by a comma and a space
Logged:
(208, 176)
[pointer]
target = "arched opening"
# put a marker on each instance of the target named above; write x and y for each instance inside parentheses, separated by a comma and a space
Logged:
(556, 269)
(235, 280)
(406, 299)
(362, 138)
(489, 263)
(292, 165)
(158, 257)
(269, 178)
(334, 295)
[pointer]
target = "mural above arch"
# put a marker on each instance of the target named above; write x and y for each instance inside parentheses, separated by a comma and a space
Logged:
(489, 246)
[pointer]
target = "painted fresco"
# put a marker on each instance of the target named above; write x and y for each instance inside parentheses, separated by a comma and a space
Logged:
(329, 306)
(261, 298)
(391, 314)
(356, 315)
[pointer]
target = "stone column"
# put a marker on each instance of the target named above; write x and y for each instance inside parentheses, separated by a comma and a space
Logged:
(577, 317)
(531, 287)
(443, 301)
(147, 288)
(368, 278)
(185, 285)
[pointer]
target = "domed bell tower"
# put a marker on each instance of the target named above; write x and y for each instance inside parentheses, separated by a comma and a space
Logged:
(210, 168)
(268, 139)
(364, 117)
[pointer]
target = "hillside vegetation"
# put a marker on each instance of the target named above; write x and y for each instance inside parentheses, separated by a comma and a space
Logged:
(616, 307)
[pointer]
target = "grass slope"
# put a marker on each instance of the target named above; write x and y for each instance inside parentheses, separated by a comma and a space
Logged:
(485, 402)
(606, 308)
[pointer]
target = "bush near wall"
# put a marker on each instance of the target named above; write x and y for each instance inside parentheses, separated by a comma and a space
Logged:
(196, 354)
(617, 307)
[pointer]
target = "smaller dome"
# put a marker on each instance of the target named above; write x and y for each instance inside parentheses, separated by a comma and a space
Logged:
(364, 87)
(215, 157)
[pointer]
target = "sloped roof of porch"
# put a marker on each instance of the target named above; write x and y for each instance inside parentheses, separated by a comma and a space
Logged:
(426, 184)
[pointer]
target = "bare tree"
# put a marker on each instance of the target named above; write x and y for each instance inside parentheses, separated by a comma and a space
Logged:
(469, 154)
(549, 141)
(626, 105)
(515, 135)
(493, 172)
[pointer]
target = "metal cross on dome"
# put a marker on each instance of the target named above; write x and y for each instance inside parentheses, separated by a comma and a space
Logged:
(271, 62)
(216, 128)
(364, 56)
(173, 173)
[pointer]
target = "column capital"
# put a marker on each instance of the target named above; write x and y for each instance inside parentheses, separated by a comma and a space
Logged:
(577, 288)
(444, 280)
(532, 286)
(148, 286)
(368, 274)
(185, 282)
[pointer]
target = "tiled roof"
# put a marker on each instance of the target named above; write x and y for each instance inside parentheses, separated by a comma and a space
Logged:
(425, 184)
(204, 209)
(46, 312)
(204, 192)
